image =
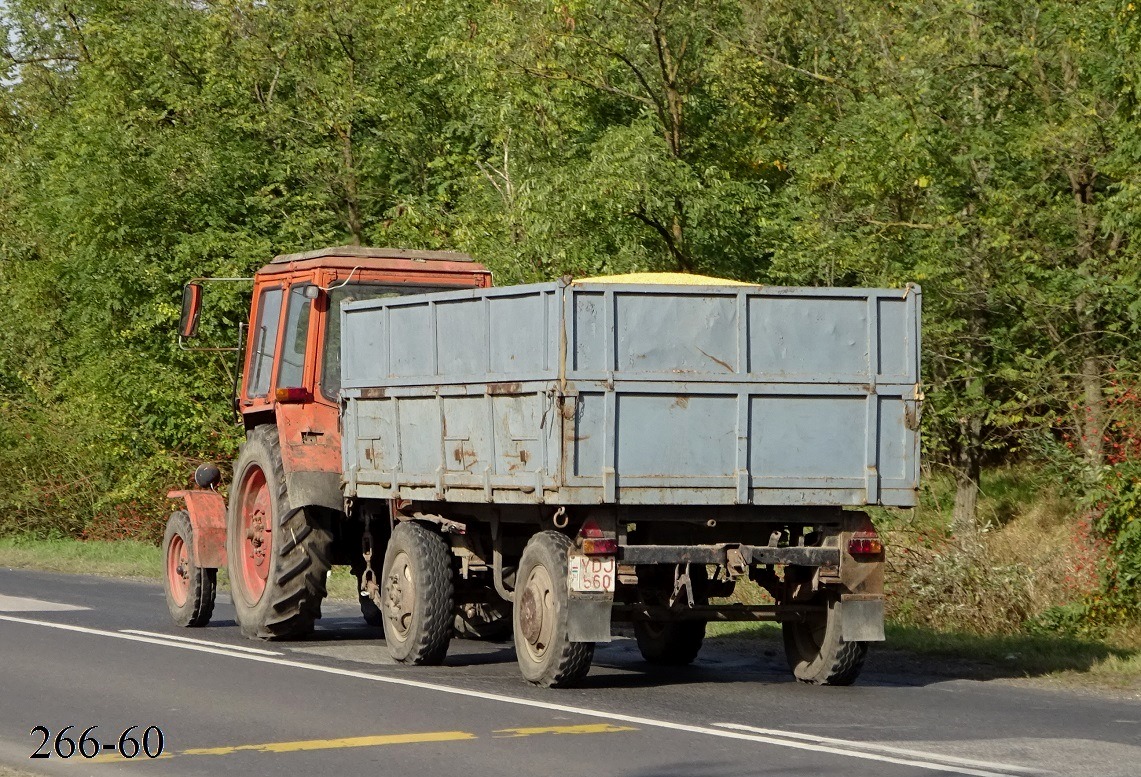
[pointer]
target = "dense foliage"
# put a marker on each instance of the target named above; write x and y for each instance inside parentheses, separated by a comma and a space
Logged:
(985, 149)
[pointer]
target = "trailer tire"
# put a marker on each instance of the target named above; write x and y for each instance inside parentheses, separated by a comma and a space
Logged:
(277, 574)
(546, 655)
(417, 595)
(669, 644)
(817, 655)
(190, 589)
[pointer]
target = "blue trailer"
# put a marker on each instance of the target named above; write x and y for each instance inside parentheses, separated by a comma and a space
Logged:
(578, 453)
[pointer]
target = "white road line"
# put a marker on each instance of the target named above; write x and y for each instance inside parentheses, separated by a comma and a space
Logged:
(23, 604)
(137, 638)
(873, 747)
(996, 770)
(192, 641)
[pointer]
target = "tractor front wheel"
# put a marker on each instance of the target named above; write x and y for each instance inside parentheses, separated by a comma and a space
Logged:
(189, 588)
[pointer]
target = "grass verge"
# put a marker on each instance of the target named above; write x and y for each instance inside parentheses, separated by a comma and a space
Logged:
(117, 559)
(114, 559)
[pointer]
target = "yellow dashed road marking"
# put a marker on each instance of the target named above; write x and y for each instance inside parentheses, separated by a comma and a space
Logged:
(329, 744)
(308, 744)
(376, 741)
(588, 728)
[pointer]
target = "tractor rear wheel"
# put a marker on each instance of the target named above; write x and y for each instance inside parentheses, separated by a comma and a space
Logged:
(278, 557)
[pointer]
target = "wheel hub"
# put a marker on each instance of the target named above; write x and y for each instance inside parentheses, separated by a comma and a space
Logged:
(178, 569)
(531, 616)
(399, 595)
(258, 540)
(255, 505)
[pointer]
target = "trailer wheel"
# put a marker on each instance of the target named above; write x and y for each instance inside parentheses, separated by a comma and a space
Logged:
(278, 557)
(546, 655)
(189, 588)
(417, 595)
(669, 644)
(817, 655)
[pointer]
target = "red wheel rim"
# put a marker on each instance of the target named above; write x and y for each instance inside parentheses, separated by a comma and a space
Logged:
(178, 569)
(256, 533)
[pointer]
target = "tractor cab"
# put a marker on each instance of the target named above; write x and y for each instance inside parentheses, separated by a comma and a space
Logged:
(290, 358)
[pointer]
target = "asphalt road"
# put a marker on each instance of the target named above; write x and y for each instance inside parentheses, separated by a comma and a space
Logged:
(86, 651)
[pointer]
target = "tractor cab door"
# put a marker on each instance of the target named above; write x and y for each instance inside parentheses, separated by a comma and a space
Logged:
(281, 375)
(262, 347)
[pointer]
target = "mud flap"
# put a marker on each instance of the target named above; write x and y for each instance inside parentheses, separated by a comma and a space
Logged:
(861, 618)
(588, 619)
(207, 512)
(321, 489)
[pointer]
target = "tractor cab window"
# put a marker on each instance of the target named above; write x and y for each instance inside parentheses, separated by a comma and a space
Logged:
(291, 372)
(339, 295)
(264, 343)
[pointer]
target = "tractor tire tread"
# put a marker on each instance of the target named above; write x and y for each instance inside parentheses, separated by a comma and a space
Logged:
(301, 563)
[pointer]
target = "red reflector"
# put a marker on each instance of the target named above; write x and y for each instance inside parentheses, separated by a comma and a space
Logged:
(865, 543)
(293, 394)
(590, 529)
(606, 546)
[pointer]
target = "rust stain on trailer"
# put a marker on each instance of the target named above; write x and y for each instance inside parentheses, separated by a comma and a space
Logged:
(375, 392)
(505, 388)
(523, 455)
(714, 358)
(464, 456)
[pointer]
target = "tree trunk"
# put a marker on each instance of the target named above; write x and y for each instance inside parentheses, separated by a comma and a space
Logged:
(968, 464)
(1094, 412)
(964, 520)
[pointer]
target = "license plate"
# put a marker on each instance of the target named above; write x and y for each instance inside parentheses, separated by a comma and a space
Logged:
(593, 573)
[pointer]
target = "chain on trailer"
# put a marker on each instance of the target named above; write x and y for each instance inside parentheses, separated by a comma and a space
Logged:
(369, 585)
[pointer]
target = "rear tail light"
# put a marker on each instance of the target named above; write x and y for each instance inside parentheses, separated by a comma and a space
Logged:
(595, 542)
(293, 394)
(865, 543)
(607, 546)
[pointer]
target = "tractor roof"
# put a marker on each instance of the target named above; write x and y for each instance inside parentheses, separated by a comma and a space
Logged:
(361, 252)
(377, 259)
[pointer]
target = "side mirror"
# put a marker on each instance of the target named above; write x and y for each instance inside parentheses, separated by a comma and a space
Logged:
(191, 308)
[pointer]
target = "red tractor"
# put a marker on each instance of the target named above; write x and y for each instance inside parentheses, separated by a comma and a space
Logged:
(287, 522)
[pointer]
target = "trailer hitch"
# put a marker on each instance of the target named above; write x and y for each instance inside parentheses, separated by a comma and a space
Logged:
(682, 581)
